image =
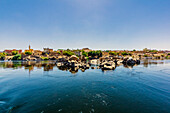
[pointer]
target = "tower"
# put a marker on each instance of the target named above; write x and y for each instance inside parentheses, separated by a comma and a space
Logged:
(29, 47)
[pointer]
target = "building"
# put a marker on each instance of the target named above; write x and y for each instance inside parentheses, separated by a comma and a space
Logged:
(78, 53)
(10, 51)
(104, 53)
(86, 50)
(48, 50)
(37, 52)
(29, 50)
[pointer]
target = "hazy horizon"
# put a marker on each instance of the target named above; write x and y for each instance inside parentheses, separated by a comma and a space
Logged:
(79, 48)
(96, 24)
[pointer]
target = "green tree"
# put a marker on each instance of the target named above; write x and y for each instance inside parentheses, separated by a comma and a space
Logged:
(2, 56)
(28, 53)
(97, 53)
(162, 55)
(68, 53)
(153, 51)
(124, 53)
(146, 50)
(113, 53)
(14, 52)
(5, 53)
(58, 52)
(145, 55)
(45, 58)
(84, 53)
(17, 57)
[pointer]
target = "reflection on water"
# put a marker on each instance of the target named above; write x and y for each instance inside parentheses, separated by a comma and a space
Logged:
(141, 88)
(146, 63)
(49, 65)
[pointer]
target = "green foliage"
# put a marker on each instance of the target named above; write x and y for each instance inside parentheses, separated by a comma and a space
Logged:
(2, 56)
(14, 52)
(97, 53)
(5, 53)
(130, 54)
(45, 58)
(145, 55)
(77, 55)
(84, 53)
(134, 50)
(58, 52)
(107, 51)
(28, 53)
(168, 53)
(153, 51)
(17, 57)
(87, 58)
(124, 53)
(68, 53)
(166, 57)
(113, 53)
(145, 50)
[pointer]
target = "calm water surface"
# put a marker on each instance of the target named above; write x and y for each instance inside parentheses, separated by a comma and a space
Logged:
(31, 87)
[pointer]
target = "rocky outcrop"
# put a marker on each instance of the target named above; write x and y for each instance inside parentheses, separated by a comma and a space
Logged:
(107, 65)
(130, 62)
(74, 64)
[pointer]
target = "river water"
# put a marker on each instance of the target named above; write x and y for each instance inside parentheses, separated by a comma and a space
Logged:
(41, 87)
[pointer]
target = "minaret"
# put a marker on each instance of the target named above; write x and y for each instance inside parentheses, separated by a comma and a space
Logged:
(29, 47)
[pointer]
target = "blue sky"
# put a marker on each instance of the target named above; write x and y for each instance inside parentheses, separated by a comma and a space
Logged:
(97, 24)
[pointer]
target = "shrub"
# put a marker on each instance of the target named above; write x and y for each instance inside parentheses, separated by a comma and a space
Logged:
(68, 53)
(166, 57)
(153, 51)
(162, 55)
(45, 58)
(28, 53)
(124, 53)
(84, 53)
(97, 53)
(58, 52)
(17, 57)
(145, 50)
(130, 54)
(113, 53)
(5, 53)
(145, 55)
(107, 51)
(14, 52)
(134, 50)
(2, 56)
